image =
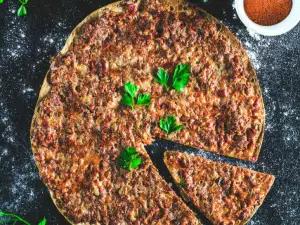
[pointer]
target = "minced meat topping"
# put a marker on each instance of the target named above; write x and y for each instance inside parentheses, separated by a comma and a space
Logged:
(80, 127)
(225, 194)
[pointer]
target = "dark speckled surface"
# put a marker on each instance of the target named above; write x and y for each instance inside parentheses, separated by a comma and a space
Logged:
(26, 45)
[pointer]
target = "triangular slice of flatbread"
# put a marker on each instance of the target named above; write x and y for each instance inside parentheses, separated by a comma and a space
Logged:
(225, 194)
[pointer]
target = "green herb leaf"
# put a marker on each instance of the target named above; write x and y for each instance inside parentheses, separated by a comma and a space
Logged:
(43, 222)
(181, 183)
(181, 76)
(162, 78)
(129, 159)
(129, 96)
(131, 89)
(23, 2)
(127, 100)
(10, 217)
(1, 1)
(178, 81)
(143, 99)
(22, 11)
(169, 125)
(135, 163)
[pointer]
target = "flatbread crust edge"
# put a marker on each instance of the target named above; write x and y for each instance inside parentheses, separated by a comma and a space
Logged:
(256, 86)
(185, 195)
(46, 87)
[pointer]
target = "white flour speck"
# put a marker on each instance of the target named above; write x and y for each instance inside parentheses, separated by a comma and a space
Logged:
(27, 90)
(254, 35)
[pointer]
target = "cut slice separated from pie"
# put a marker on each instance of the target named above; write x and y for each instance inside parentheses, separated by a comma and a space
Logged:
(225, 194)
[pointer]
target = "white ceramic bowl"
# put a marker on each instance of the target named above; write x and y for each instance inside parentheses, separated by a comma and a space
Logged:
(284, 26)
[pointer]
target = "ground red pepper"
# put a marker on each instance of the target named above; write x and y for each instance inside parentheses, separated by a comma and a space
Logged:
(268, 12)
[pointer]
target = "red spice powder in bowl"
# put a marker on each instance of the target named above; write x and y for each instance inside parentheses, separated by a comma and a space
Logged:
(268, 12)
(269, 17)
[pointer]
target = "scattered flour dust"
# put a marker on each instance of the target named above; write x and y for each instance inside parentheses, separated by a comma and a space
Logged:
(257, 47)
(18, 173)
(254, 35)
(18, 170)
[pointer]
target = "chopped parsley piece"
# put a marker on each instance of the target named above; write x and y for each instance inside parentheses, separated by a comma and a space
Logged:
(1, 1)
(131, 89)
(178, 81)
(181, 183)
(169, 125)
(162, 78)
(129, 98)
(129, 159)
(181, 76)
(143, 99)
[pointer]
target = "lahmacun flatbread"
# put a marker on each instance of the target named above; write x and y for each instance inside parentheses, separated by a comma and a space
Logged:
(79, 127)
(225, 194)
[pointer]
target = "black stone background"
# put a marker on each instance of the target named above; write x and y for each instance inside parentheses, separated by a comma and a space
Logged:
(26, 45)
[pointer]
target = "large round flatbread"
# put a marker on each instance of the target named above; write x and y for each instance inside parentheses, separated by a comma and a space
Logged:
(79, 126)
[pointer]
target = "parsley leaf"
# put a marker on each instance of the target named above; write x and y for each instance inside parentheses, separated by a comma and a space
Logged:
(131, 89)
(129, 99)
(143, 99)
(169, 125)
(129, 159)
(181, 183)
(22, 11)
(7, 217)
(178, 81)
(43, 222)
(181, 76)
(162, 78)
(1, 1)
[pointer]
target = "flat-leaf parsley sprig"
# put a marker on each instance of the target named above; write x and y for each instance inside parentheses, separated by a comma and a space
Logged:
(178, 81)
(169, 125)
(129, 159)
(10, 217)
(22, 11)
(129, 98)
(43, 222)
